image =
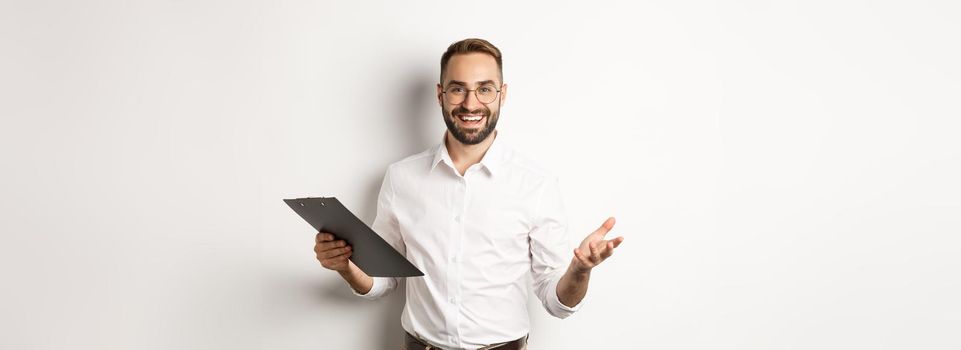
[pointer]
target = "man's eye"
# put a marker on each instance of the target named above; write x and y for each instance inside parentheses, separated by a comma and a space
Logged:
(486, 90)
(456, 90)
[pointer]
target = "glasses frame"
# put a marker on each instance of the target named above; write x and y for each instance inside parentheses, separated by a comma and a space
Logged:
(496, 96)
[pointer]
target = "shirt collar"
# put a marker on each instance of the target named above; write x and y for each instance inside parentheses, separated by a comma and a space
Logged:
(492, 160)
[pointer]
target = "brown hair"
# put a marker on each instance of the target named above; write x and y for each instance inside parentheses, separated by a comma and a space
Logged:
(471, 45)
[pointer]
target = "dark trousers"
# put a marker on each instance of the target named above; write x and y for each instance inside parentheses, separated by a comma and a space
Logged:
(412, 342)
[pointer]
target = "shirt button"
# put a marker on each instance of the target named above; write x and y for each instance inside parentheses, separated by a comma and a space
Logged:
(452, 300)
(457, 218)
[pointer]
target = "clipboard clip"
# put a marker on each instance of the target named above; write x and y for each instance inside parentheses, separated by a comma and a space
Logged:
(321, 201)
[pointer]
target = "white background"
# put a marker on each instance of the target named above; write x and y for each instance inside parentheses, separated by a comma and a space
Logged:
(785, 173)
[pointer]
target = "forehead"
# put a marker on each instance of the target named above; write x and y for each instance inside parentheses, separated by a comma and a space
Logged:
(472, 68)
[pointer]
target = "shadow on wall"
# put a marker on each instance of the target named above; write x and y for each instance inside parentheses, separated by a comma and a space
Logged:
(417, 118)
(387, 328)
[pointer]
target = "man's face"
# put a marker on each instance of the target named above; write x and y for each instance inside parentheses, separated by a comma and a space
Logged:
(470, 72)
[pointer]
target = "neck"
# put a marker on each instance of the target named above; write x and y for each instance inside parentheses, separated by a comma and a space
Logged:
(466, 155)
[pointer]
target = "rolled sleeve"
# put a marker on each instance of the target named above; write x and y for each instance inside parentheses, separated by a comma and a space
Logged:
(386, 225)
(550, 249)
(554, 305)
(382, 286)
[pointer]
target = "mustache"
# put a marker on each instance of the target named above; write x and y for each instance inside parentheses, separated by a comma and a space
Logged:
(461, 110)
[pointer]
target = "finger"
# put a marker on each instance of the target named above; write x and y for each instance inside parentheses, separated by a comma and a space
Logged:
(580, 256)
(338, 251)
(608, 250)
(335, 260)
(582, 259)
(326, 254)
(605, 227)
(603, 250)
(595, 254)
(617, 241)
(323, 237)
(322, 246)
(343, 256)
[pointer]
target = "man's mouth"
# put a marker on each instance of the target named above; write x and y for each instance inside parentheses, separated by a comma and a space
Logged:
(471, 119)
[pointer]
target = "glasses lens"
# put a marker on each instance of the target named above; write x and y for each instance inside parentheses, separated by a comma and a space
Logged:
(455, 94)
(486, 93)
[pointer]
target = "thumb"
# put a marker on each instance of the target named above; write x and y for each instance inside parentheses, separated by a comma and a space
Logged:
(605, 227)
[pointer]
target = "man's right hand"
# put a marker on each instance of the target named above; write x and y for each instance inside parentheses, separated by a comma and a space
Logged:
(332, 254)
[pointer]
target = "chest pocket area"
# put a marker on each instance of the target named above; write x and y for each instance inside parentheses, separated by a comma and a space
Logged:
(504, 220)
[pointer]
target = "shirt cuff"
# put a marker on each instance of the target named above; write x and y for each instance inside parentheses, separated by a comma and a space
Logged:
(376, 290)
(557, 308)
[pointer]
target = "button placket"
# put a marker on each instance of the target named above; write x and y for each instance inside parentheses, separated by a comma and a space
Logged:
(455, 252)
(458, 203)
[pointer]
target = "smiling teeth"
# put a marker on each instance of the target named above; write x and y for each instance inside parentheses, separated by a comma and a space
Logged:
(471, 118)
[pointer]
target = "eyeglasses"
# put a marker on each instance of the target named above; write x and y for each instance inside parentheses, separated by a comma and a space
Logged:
(456, 94)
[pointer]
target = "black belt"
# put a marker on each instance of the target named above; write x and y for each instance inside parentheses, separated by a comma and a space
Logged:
(414, 343)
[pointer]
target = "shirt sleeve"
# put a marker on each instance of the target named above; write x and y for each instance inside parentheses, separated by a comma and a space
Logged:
(550, 253)
(386, 225)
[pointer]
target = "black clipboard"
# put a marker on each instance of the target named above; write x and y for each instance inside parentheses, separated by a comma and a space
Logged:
(371, 253)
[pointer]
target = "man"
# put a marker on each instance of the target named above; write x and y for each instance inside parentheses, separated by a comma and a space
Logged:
(478, 219)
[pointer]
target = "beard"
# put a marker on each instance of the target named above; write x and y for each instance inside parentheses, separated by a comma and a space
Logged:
(471, 136)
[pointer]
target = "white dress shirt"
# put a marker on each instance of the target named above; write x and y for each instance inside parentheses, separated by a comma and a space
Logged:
(480, 239)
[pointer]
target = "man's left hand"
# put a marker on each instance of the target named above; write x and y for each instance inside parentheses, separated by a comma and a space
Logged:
(594, 249)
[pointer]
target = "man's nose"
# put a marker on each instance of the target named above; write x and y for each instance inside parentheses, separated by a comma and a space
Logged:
(471, 102)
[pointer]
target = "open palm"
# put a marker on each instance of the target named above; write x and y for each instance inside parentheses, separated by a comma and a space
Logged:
(594, 248)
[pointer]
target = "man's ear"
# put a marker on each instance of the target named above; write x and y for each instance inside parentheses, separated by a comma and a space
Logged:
(440, 95)
(503, 93)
